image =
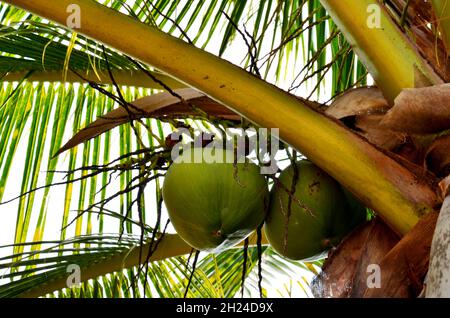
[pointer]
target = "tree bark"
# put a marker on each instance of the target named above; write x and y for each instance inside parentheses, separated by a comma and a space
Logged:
(438, 278)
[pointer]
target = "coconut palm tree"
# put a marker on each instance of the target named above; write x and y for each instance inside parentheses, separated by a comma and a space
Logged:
(67, 63)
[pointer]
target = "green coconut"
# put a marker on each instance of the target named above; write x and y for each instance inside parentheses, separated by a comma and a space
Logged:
(357, 215)
(321, 213)
(214, 206)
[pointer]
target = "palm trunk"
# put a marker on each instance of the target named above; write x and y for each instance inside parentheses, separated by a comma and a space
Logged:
(438, 282)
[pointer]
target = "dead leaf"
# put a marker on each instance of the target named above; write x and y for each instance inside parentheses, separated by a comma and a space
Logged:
(335, 278)
(420, 110)
(437, 158)
(419, 10)
(409, 148)
(404, 268)
(362, 110)
(358, 101)
(382, 137)
(419, 17)
(347, 265)
(313, 104)
(434, 51)
(381, 240)
(154, 106)
(403, 264)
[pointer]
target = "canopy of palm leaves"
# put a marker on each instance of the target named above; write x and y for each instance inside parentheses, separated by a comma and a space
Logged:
(45, 98)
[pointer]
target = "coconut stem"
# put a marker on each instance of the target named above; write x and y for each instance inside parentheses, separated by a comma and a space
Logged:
(259, 248)
(197, 252)
(244, 266)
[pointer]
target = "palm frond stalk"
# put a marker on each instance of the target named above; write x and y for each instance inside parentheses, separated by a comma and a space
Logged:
(170, 246)
(390, 188)
(387, 53)
(122, 77)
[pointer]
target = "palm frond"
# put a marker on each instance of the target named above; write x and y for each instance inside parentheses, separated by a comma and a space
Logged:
(299, 34)
(55, 258)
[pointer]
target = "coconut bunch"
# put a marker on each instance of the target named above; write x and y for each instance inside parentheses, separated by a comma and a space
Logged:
(214, 206)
